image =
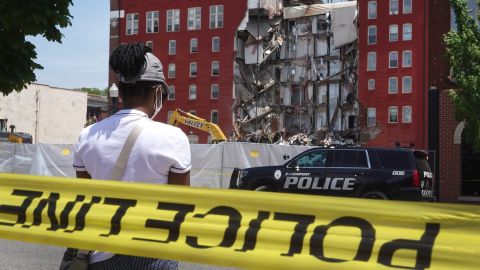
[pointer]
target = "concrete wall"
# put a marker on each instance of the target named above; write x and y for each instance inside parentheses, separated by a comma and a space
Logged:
(62, 115)
(50, 115)
(20, 110)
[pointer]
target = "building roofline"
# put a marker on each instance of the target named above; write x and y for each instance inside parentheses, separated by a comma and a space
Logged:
(314, 9)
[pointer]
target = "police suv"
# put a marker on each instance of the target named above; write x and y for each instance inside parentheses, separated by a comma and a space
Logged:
(378, 173)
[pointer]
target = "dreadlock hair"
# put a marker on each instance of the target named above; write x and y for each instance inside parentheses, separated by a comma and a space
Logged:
(128, 60)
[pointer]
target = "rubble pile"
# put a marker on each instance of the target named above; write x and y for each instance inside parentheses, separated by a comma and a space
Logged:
(296, 73)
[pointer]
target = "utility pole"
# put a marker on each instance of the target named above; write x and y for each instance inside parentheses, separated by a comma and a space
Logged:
(328, 72)
(315, 82)
(255, 95)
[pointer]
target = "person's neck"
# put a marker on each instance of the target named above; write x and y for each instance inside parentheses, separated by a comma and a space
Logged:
(136, 107)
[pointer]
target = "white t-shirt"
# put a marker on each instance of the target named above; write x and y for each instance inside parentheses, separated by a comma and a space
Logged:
(159, 149)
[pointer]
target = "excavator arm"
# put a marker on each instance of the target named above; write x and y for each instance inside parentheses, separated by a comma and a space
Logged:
(188, 119)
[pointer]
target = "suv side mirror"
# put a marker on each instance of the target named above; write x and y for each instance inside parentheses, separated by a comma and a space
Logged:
(292, 164)
(286, 157)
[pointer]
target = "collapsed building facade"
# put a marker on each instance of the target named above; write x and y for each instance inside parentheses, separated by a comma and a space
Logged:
(296, 73)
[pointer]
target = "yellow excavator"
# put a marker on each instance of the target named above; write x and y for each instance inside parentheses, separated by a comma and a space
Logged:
(188, 119)
(12, 136)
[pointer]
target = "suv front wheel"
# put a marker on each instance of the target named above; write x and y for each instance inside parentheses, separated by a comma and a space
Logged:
(264, 188)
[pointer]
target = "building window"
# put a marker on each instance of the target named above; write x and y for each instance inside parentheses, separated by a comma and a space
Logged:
(393, 85)
(393, 114)
(372, 34)
(322, 26)
(172, 47)
(407, 6)
(132, 24)
(407, 84)
(193, 69)
(393, 59)
(149, 44)
(407, 59)
(407, 114)
(173, 20)
(193, 45)
(214, 116)
(171, 71)
(215, 68)
(371, 84)
(215, 91)
(393, 33)
(194, 18)
(372, 10)
(152, 22)
(215, 44)
(192, 92)
(372, 61)
(371, 117)
(171, 92)
(407, 31)
(393, 7)
(216, 17)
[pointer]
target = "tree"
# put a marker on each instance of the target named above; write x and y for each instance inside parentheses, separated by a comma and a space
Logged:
(463, 50)
(19, 19)
(95, 91)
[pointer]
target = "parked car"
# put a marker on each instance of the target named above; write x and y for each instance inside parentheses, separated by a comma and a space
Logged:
(378, 173)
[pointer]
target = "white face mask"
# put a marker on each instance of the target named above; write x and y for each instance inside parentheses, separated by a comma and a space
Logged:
(158, 101)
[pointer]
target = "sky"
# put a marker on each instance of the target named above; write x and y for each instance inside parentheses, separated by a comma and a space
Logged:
(82, 58)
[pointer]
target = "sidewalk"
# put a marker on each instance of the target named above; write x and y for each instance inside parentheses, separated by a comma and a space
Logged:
(25, 256)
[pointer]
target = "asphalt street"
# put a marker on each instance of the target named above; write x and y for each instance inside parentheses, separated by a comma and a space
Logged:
(25, 256)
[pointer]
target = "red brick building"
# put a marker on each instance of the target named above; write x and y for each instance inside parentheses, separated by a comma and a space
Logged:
(457, 164)
(433, 125)
(441, 113)
(194, 41)
(392, 70)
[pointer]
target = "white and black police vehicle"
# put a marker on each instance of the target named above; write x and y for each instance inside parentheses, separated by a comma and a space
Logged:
(377, 173)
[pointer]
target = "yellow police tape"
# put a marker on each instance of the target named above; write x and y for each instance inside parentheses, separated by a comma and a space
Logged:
(244, 229)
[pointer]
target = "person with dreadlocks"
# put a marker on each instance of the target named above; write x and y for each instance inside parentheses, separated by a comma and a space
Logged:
(161, 153)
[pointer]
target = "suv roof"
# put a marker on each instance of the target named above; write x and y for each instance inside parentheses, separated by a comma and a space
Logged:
(383, 157)
(407, 149)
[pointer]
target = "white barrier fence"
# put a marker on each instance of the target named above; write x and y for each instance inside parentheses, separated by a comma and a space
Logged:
(212, 164)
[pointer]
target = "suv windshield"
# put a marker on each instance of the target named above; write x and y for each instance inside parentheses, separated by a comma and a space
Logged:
(312, 159)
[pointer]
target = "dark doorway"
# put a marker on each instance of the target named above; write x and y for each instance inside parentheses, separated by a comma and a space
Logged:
(470, 170)
(351, 121)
